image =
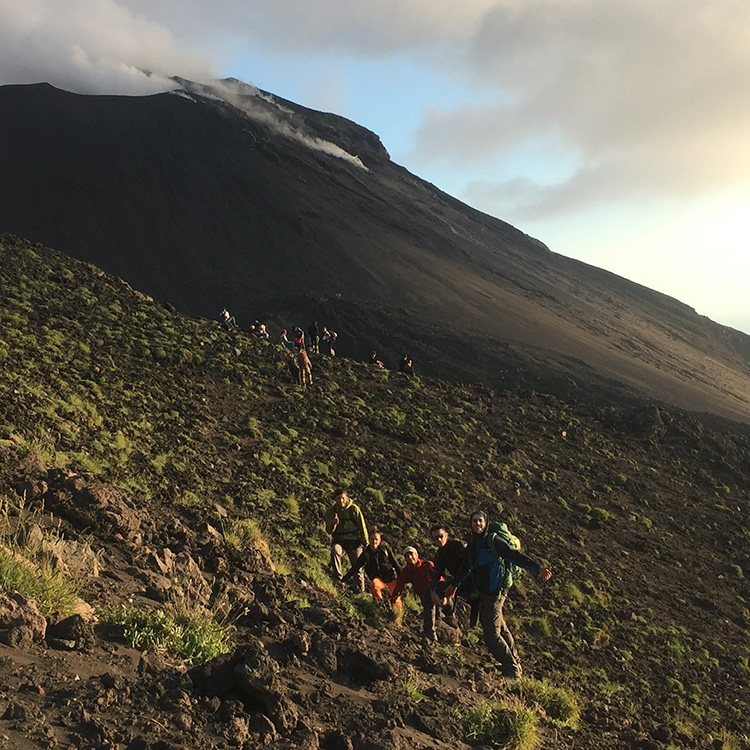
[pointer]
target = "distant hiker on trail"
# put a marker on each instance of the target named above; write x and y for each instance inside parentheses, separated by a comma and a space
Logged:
(314, 333)
(299, 336)
(406, 366)
(293, 368)
(226, 320)
(381, 567)
(284, 341)
(261, 332)
(448, 560)
(305, 366)
(486, 567)
(418, 573)
(346, 525)
(375, 361)
(328, 339)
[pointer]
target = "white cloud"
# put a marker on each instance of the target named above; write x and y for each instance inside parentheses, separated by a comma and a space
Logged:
(89, 46)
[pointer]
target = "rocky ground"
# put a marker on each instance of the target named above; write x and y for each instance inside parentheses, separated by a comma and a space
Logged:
(135, 442)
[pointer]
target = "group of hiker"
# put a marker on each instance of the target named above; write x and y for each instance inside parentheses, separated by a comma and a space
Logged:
(301, 344)
(480, 570)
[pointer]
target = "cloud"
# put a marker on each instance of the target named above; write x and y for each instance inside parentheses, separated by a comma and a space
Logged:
(90, 46)
(637, 99)
(650, 98)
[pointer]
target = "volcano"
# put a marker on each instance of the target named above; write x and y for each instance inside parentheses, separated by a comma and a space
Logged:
(223, 195)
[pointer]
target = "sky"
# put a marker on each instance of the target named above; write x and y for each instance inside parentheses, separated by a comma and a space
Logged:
(614, 131)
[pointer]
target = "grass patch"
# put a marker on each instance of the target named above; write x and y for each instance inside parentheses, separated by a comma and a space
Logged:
(193, 636)
(560, 704)
(507, 724)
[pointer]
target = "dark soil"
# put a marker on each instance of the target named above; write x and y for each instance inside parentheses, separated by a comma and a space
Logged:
(144, 433)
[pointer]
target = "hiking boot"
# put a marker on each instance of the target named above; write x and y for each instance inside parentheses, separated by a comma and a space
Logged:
(513, 673)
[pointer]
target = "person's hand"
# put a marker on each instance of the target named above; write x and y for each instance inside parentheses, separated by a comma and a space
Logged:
(545, 572)
(436, 600)
(336, 519)
(450, 591)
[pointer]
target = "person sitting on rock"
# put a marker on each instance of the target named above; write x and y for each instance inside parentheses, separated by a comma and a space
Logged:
(226, 320)
(448, 560)
(346, 525)
(381, 567)
(284, 341)
(375, 361)
(261, 332)
(418, 573)
(483, 567)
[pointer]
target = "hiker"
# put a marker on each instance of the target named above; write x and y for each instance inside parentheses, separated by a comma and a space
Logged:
(418, 573)
(328, 339)
(225, 319)
(293, 368)
(314, 333)
(346, 525)
(486, 567)
(448, 561)
(406, 366)
(284, 341)
(375, 361)
(305, 366)
(381, 567)
(299, 336)
(262, 333)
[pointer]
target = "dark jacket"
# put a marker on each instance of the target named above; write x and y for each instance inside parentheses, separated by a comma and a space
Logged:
(449, 560)
(378, 563)
(481, 565)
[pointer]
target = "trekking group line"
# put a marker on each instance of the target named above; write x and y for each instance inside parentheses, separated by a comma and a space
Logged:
(480, 570)
(302, 344)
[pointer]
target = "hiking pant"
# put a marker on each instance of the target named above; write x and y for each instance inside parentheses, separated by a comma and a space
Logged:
(429, 612)
(377, 586)
(337, 555)
(496, 634)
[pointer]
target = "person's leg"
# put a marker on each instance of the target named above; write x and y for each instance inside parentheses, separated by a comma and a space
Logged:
(337, 554)
(495, 631)
(428, 615)
(391, 586)
(353, 555)
(376, 587)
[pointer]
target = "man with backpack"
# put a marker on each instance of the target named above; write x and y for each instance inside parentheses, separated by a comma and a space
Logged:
(489, 565)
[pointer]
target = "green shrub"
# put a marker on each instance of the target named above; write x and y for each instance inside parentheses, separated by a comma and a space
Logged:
(193, 636)
(507, 724)
(559, 704)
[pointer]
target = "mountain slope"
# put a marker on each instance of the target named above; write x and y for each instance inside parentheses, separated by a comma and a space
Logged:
(228, 196)
(151, 439)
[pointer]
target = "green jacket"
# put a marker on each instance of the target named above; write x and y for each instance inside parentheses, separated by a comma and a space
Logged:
(351, 526)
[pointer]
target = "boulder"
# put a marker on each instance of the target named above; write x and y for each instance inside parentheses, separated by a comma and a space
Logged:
(16, 611)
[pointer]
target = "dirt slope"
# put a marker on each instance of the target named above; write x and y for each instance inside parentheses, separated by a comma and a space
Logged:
(151, 438)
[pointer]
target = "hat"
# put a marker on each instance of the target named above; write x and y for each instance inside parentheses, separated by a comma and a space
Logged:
(478, 513)
(407, 550)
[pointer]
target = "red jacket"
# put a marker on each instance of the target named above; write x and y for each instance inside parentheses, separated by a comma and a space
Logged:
(418, 575)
